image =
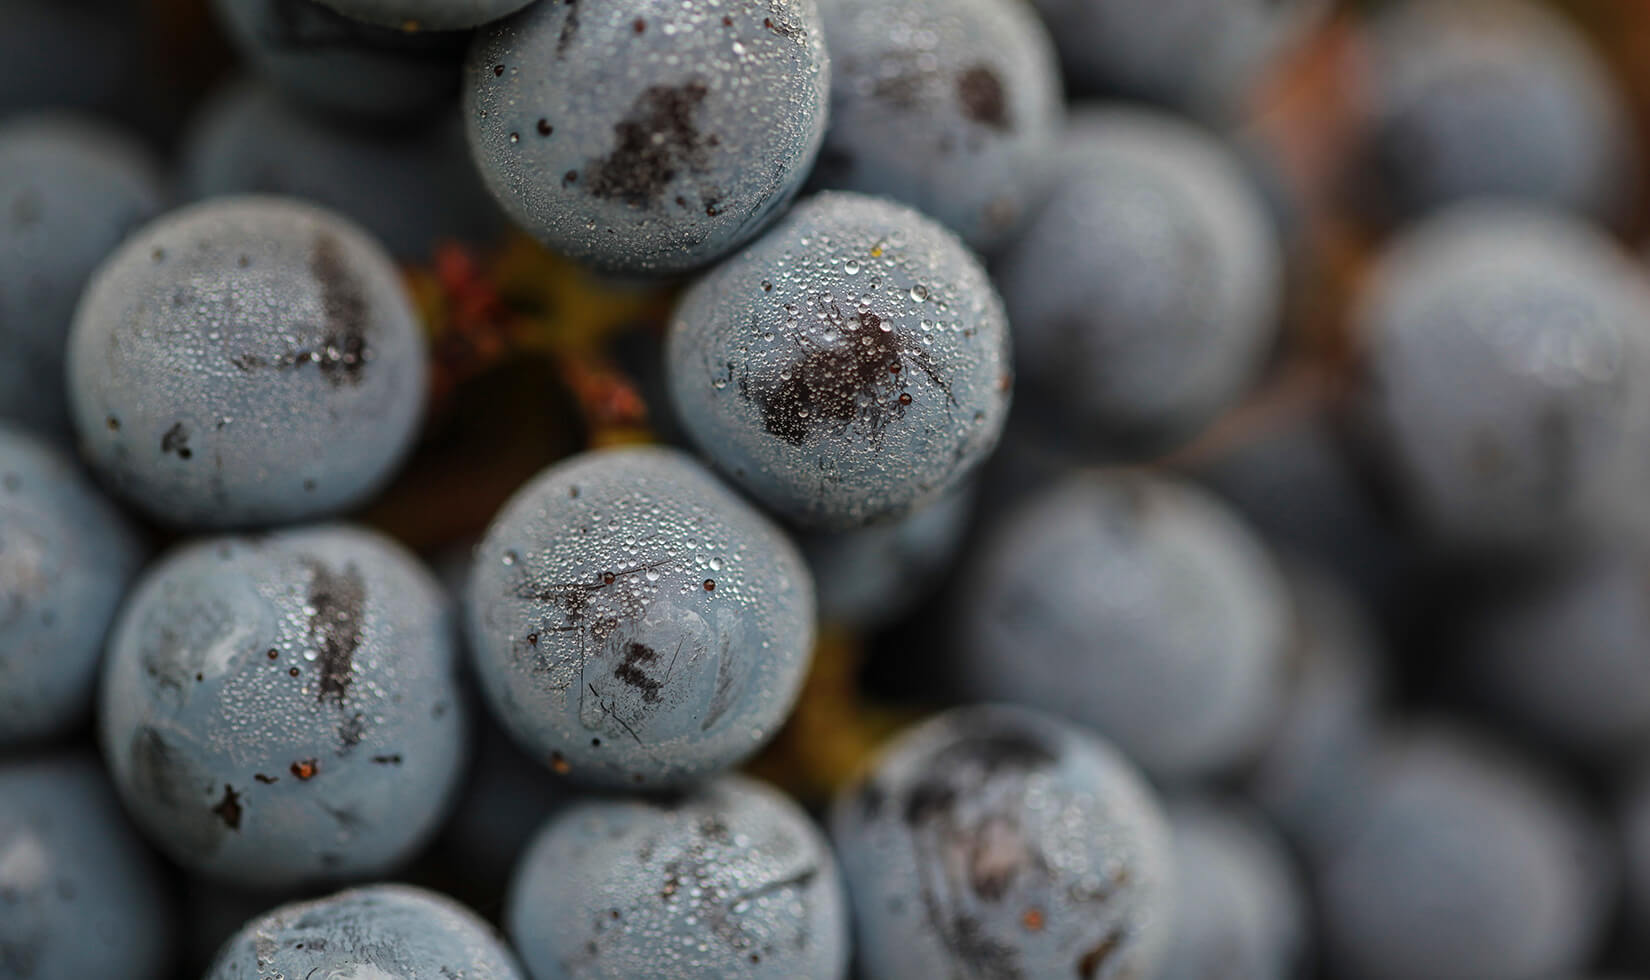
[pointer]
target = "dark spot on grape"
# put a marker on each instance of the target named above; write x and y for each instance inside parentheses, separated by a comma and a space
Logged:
(559, 764)
(569, 27)
(266, 780)
(595, 743)
(654, 143)
(1088, 967)
(545, 129)
(309, 486)
(638, 25)
(779, 28)
(337, 599)
(273, 654)
(710, 585)
(630, 671)
(350, 732)
(229, 808)
(113, 423)
(164, 774)
(305, 769)
(980, 92)
(343, 351)
(969, 762)
(176, 440)
(826, 384)
(292, 672)
(727, 21)
(904, 398)
(571, 177)
(498, 71)
(387, 760)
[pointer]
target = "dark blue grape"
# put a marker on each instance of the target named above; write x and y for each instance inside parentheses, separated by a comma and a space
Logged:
(1147, 293)
(634, 622)
(730, 881)
(1491, 98)
(1509, 376)
(379, 932)
(1136, 605)
(950, 106)
(246, 361)
(1464, 861)
(285, 709)
(996, 842)
(647, 136)
(849, 367)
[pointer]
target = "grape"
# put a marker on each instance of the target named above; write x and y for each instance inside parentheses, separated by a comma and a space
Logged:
(246, 361)
(1147, 293)
(377, 932)
(419, 15)
(103, 38)
(1240, 906)
(1136, 605)
(250, 139)
(1467, 863)
(66, 556)
(727, 881)
(284, 709)
(1491, 98)
(848, 368)
(73, 189)
(950, 106)
(1197, 55)
(80, 896)
(647, 136)
(341, 65)
(1509, 376)
(1324, 738)
(1567, 653)
(634, 622)
(997, 842)
(870, 577)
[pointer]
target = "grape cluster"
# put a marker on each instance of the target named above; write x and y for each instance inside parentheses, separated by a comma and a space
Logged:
(811, 489)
